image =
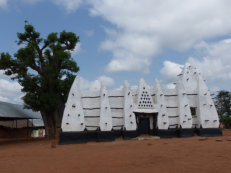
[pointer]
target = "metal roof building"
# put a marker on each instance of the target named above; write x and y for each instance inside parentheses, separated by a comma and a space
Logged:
(9, 112)
(14, 111)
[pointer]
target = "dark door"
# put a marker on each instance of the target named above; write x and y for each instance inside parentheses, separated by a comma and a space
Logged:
(144, 125)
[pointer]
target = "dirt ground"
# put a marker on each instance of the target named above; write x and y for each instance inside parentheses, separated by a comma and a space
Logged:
(196, 154)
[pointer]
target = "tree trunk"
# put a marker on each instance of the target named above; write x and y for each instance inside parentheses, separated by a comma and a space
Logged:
(52, 121)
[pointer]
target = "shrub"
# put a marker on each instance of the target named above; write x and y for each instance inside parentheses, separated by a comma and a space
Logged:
(227, 122)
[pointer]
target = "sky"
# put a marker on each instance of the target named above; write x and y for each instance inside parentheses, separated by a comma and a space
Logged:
(128, 39)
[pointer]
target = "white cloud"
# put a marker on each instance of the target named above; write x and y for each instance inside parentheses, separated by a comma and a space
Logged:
(96, 84)
(144, 28)
(3, 3)
(106, 81)
(215, 63)
(89, 85)
(131, 52)
(4, 99)
(213, 60)
(170, 71)
(1, 73)
(77, 49)
(9, 86)
(18, 99)
(69, 5)
(10, 91)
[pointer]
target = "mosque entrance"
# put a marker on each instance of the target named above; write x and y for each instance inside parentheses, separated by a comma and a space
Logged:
(146, 123)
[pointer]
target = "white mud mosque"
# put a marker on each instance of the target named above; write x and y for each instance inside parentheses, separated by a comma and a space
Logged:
(104, 115)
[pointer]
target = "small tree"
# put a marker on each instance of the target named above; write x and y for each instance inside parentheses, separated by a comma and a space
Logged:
(223, 103)
(45, 70)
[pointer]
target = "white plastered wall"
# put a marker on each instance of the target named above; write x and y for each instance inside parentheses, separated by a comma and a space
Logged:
(73, 117)
(162, 118)
(105, 111)
(129, 116)
(199, 98)
(207, 113)
(144, 100)
(112, 109)
(184, 112)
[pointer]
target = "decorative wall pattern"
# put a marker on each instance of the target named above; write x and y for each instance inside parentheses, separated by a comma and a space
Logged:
(187, 106)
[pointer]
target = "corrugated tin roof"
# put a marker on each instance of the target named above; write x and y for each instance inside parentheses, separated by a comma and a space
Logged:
(15, 111)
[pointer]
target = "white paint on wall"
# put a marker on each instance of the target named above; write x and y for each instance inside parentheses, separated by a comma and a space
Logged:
(73, 117)
(162, 118)
(208, 117)
(189, 78)
(129, 116)
(144, 97)
(115, 109)
(105, 111)
(184, 112)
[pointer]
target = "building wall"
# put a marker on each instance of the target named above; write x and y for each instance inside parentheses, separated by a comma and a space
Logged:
(16, 123)
(175, 104)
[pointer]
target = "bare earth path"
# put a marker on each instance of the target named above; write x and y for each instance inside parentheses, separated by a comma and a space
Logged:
(194, 154)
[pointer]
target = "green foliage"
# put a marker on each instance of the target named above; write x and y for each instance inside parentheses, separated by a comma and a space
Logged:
(226, 122)
(223, 103)
(43, 66)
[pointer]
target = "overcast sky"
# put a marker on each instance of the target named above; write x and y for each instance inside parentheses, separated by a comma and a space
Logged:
(128, 39)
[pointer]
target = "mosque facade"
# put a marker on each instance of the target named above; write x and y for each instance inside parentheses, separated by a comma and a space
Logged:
(104, 115)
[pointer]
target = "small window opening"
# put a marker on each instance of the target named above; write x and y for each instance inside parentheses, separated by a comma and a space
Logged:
(193, 111)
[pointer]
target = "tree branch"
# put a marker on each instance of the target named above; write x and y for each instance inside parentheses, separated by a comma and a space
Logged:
(44, 46)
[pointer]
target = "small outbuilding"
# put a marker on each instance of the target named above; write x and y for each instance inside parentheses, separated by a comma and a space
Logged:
(17, 122)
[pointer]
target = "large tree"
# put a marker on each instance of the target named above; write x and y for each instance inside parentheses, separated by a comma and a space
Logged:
(45, 70)
(223, 103)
